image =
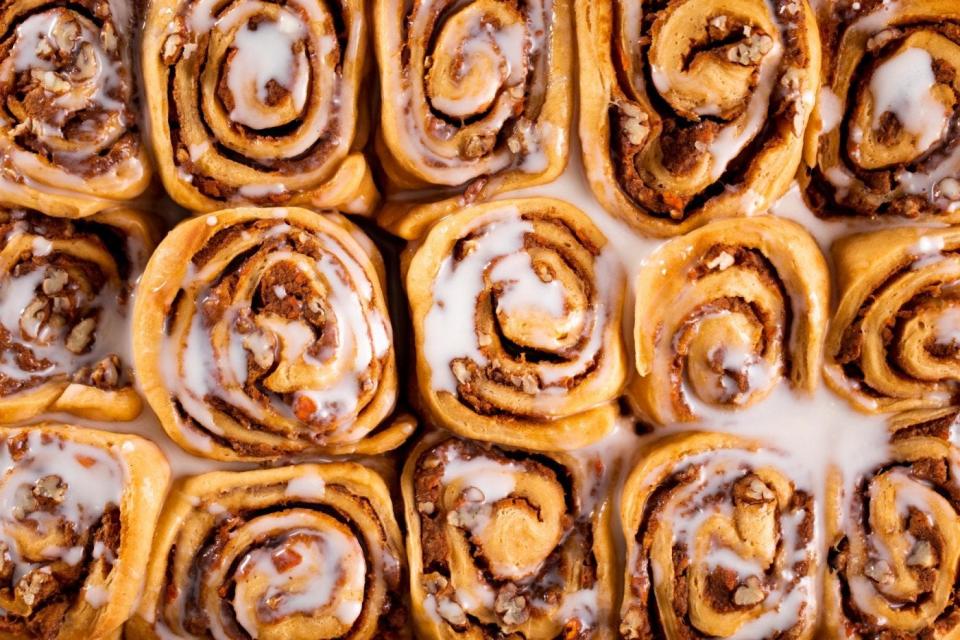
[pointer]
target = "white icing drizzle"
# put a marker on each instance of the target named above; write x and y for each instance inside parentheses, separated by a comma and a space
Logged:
(330, 561)
(831, 110)
(455, 292)
(48, 342)
(92, 479)
(689, 509)
(499, 257)
(731, 139)
(263, 55)
(308, 485)
(948, 327)
(510, 48)
(495, 480)
(903, 86)
(362, 335)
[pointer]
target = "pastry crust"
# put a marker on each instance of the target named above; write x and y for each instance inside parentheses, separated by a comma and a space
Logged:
(265, 333)
(72, 282)
(516, 311)
(695, 111)
(111, 529)
(480, 103)
(228, 542)
(724, 314)
(536, 561)
(890, 345)
(865, 155)
(719, 538)
(70, 143)
(908, 506)
(227, 130)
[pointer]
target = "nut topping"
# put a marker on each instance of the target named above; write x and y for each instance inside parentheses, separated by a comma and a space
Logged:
(510, 606)
(55, 281)
(81, 335)
(749, 594)
(172, 49)
(878, 571)
(50, 488)
(922, 555)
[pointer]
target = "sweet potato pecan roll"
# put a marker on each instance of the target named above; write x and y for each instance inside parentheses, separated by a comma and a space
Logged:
(77, 517)
(508, 543)
(70, 140)
(260, 103)
(264, 333)
(66, 290)
(726, 313)
(894, 535)
(895, 338)
(477, 100)
(693, 111)
(886, 137)
(306, 551)
(720, 543)
(516, 313)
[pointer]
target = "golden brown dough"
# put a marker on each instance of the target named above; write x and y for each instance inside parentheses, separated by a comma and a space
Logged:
(720, 542)
(264, 333)
(79, 507)
(693, 111)
(306, 551)
(505, 542)
(881, 142)
(70, 142)
(259, 102)
(895, 538)
(724, 314)
(66, 296)
(894, 340)
(516, 314)
(479, 103)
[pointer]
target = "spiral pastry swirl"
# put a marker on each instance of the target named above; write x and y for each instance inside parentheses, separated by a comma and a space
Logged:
(306, 552)
(265, 332)
(516, 312)
(724, 314)
(507, 543)
(259, 102)
(720, 543)
(895, 538)
(479, 103)
(69, 135)
(693, 111)
(886, 138)
(894, 340)
(78, 512)
(65, 288)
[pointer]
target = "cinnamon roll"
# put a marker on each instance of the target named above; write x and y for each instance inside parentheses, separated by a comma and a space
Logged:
(507, 543)
(516, 312)
(70, 143)
(726, 313)
(893, 343)
(693, 111)
(477, 101)
(254, 102)
(307, 551)
(895, 539)
(78, 510)
(66, 288)
(720, 543)
(264, 333)
(886, 137)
